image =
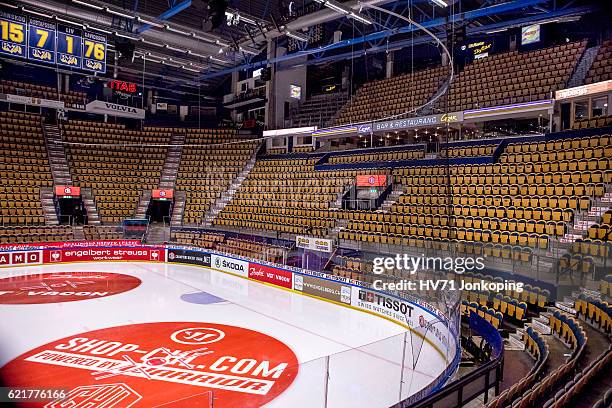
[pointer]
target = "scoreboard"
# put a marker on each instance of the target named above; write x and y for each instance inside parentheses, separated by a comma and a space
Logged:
(47, 42)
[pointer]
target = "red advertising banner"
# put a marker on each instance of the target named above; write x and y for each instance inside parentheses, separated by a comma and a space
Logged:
(67, 191)
(268, 274)
(77, 244)
(20, 258)
(103, 254)
(371, 180)
(162, 194)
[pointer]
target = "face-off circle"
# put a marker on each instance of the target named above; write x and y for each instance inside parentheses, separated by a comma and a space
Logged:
(63, 287)
(176, 364)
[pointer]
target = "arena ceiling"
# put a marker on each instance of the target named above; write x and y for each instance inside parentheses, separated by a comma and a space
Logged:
(174, 49)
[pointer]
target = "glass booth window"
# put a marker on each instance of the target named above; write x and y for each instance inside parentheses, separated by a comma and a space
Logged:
(600, 107)
(581, 110)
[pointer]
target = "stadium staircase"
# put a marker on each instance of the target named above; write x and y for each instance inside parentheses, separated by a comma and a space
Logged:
(79, 233)
(93, 218)
(173, 160)
(143, 204)
(319, 110)
(225, 198)
(157, 234)
(178, 208)
(57, 156)
(583, 220)
(392, 198)
(583, 67)
(48, 206)
(59, 171)
(168, 174)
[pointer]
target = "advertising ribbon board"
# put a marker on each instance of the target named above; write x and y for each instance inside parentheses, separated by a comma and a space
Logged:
(268, 274)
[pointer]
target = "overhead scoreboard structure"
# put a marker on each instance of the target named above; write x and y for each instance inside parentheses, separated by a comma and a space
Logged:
(51, 43)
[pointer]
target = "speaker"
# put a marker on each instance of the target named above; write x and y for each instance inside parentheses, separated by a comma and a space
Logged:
(125, 48)
(266, 74)
(215, 14)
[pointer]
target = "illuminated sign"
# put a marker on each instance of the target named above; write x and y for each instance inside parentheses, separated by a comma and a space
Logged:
(67, 191)
(295, 91)
(598, 87)
(162, 194)
(530, 34)
(371, 180)
(122, 86)
(478, 49)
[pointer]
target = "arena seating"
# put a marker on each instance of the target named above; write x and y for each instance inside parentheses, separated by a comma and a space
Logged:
(510, 208)
(199, 239)
(530, 391)
(211, 160)
(317, 110)
(596, 122)
(601, 69)
(258, 250)
(534, 189)
(379, 156)
(97, 232)
(513, 77)
(237, 246)
(286, 196)
(483, 150)
(115, 163)
(25, 234)
(24, 169)
(392, 96)
(71, 98)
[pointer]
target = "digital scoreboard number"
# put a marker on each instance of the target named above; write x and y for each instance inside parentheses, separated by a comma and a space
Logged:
(13, 34)
(41, 45)
(69, 46)
(94, 52)
(51, 43)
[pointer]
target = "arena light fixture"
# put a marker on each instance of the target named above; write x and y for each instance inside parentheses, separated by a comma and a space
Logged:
(222, 43)
(440, 3)
(87, 4)
(74, 23)
(89, 27)
(361, 18)
(119, 13)
(170, 47)
(36, 13)
(149, 22)
(247, 50)
(296, 36)
(176, 30)
(210, 57)
(190, 69)
(342, 9)
(144, 40)
(122, 35)
(196, 54)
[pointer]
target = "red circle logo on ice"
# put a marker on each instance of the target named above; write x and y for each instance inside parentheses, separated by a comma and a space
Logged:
(175, 364)
(63, 287)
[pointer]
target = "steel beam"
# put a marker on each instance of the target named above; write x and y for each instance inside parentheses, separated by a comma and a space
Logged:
(440, 21)
(175, 9)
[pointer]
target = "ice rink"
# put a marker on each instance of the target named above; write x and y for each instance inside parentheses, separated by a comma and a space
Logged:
(169, 321)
